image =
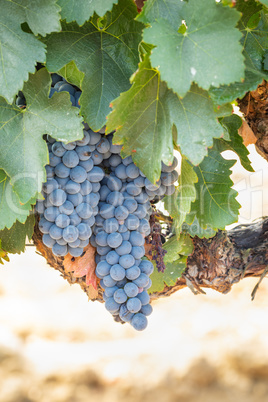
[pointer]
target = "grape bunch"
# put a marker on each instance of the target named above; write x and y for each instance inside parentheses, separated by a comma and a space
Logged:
(93, 194)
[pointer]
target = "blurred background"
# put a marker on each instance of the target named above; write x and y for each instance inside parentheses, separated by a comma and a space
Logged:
(56, 346)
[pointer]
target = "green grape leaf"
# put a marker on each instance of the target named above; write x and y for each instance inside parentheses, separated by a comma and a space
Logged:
(19, 50)
(265, 2)
(42, 16)
(155, 9)
(235, 144)
(179, 204)
(193, 228)
(202, 51)
(71, 74)
(175, 246)
(255, 43)
(13, 240)
(81, 10)
(23, 150)
(144, 117)
(141, 118)
(215, 206)
(105, 51)
(169, 277)
(11, 207)
(265, 60)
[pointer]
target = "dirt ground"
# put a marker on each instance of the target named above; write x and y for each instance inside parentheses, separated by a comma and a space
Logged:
(57, 347)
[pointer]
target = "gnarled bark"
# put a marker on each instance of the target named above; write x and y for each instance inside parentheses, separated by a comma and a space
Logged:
(215, 263)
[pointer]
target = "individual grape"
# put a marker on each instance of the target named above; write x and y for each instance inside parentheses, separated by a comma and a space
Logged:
(104, 191)
(144, 227)
(62, 221)
(133, 305)
(169, 178)
(120, 171)
(115, 198)
(75, 199)
(101, 238)
(125, 235)
(55, 232)
(121, 213)
(139, 322)
(59, 250)
(84, 210)
(94, 138)
(127, 161)
(114, 240)
(114, 160)
(127, 261)
(39, 207)
(99, 220)
(142, 281)
(70, 233)
(120, 296)
(95, 187)
(132, 189)
(61, 242)
(114, 184)
(132, 222)
(58, 149)
(87, 164)
(62, 181)
(124, 249)
(110, 225)
(75, 243)
(109, 292)
(72, 187)
(166, 168)
(78, 174)
(144, 298)
(49, 172)
(90, 221)
(132, 171)
(122, 229)
(85, 188)
(84, 231)
(146, 267)
(136, 238)
(75, 252)
(103, 268)
(55, 78)
(122, 283)
(70, 146)
(48, 241)
(44, 225)
(83, 152)
(103, 146)
(50, 186)
(107, 211)
(67, 87)
(170, 190)
(138, 252)
(131, 289)
(141, 211)
(85, 139)
(142, 198)
(95, 175)
(139, 181)
(51, 213)
(146, 309)
(114, 148)
(109, 281)
(53, 159)
(124, 314)
(74, 219)
(112, 257)
(70, 159)
(84, 243)
(111, 305)
(92, 199)
(117, 272)
(97, 157)
(130, 204)
(102, 251)
(62, 171)
(149, 285)
(133, 273)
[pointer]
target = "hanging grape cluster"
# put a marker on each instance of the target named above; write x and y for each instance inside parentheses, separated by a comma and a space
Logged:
(93, 194)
